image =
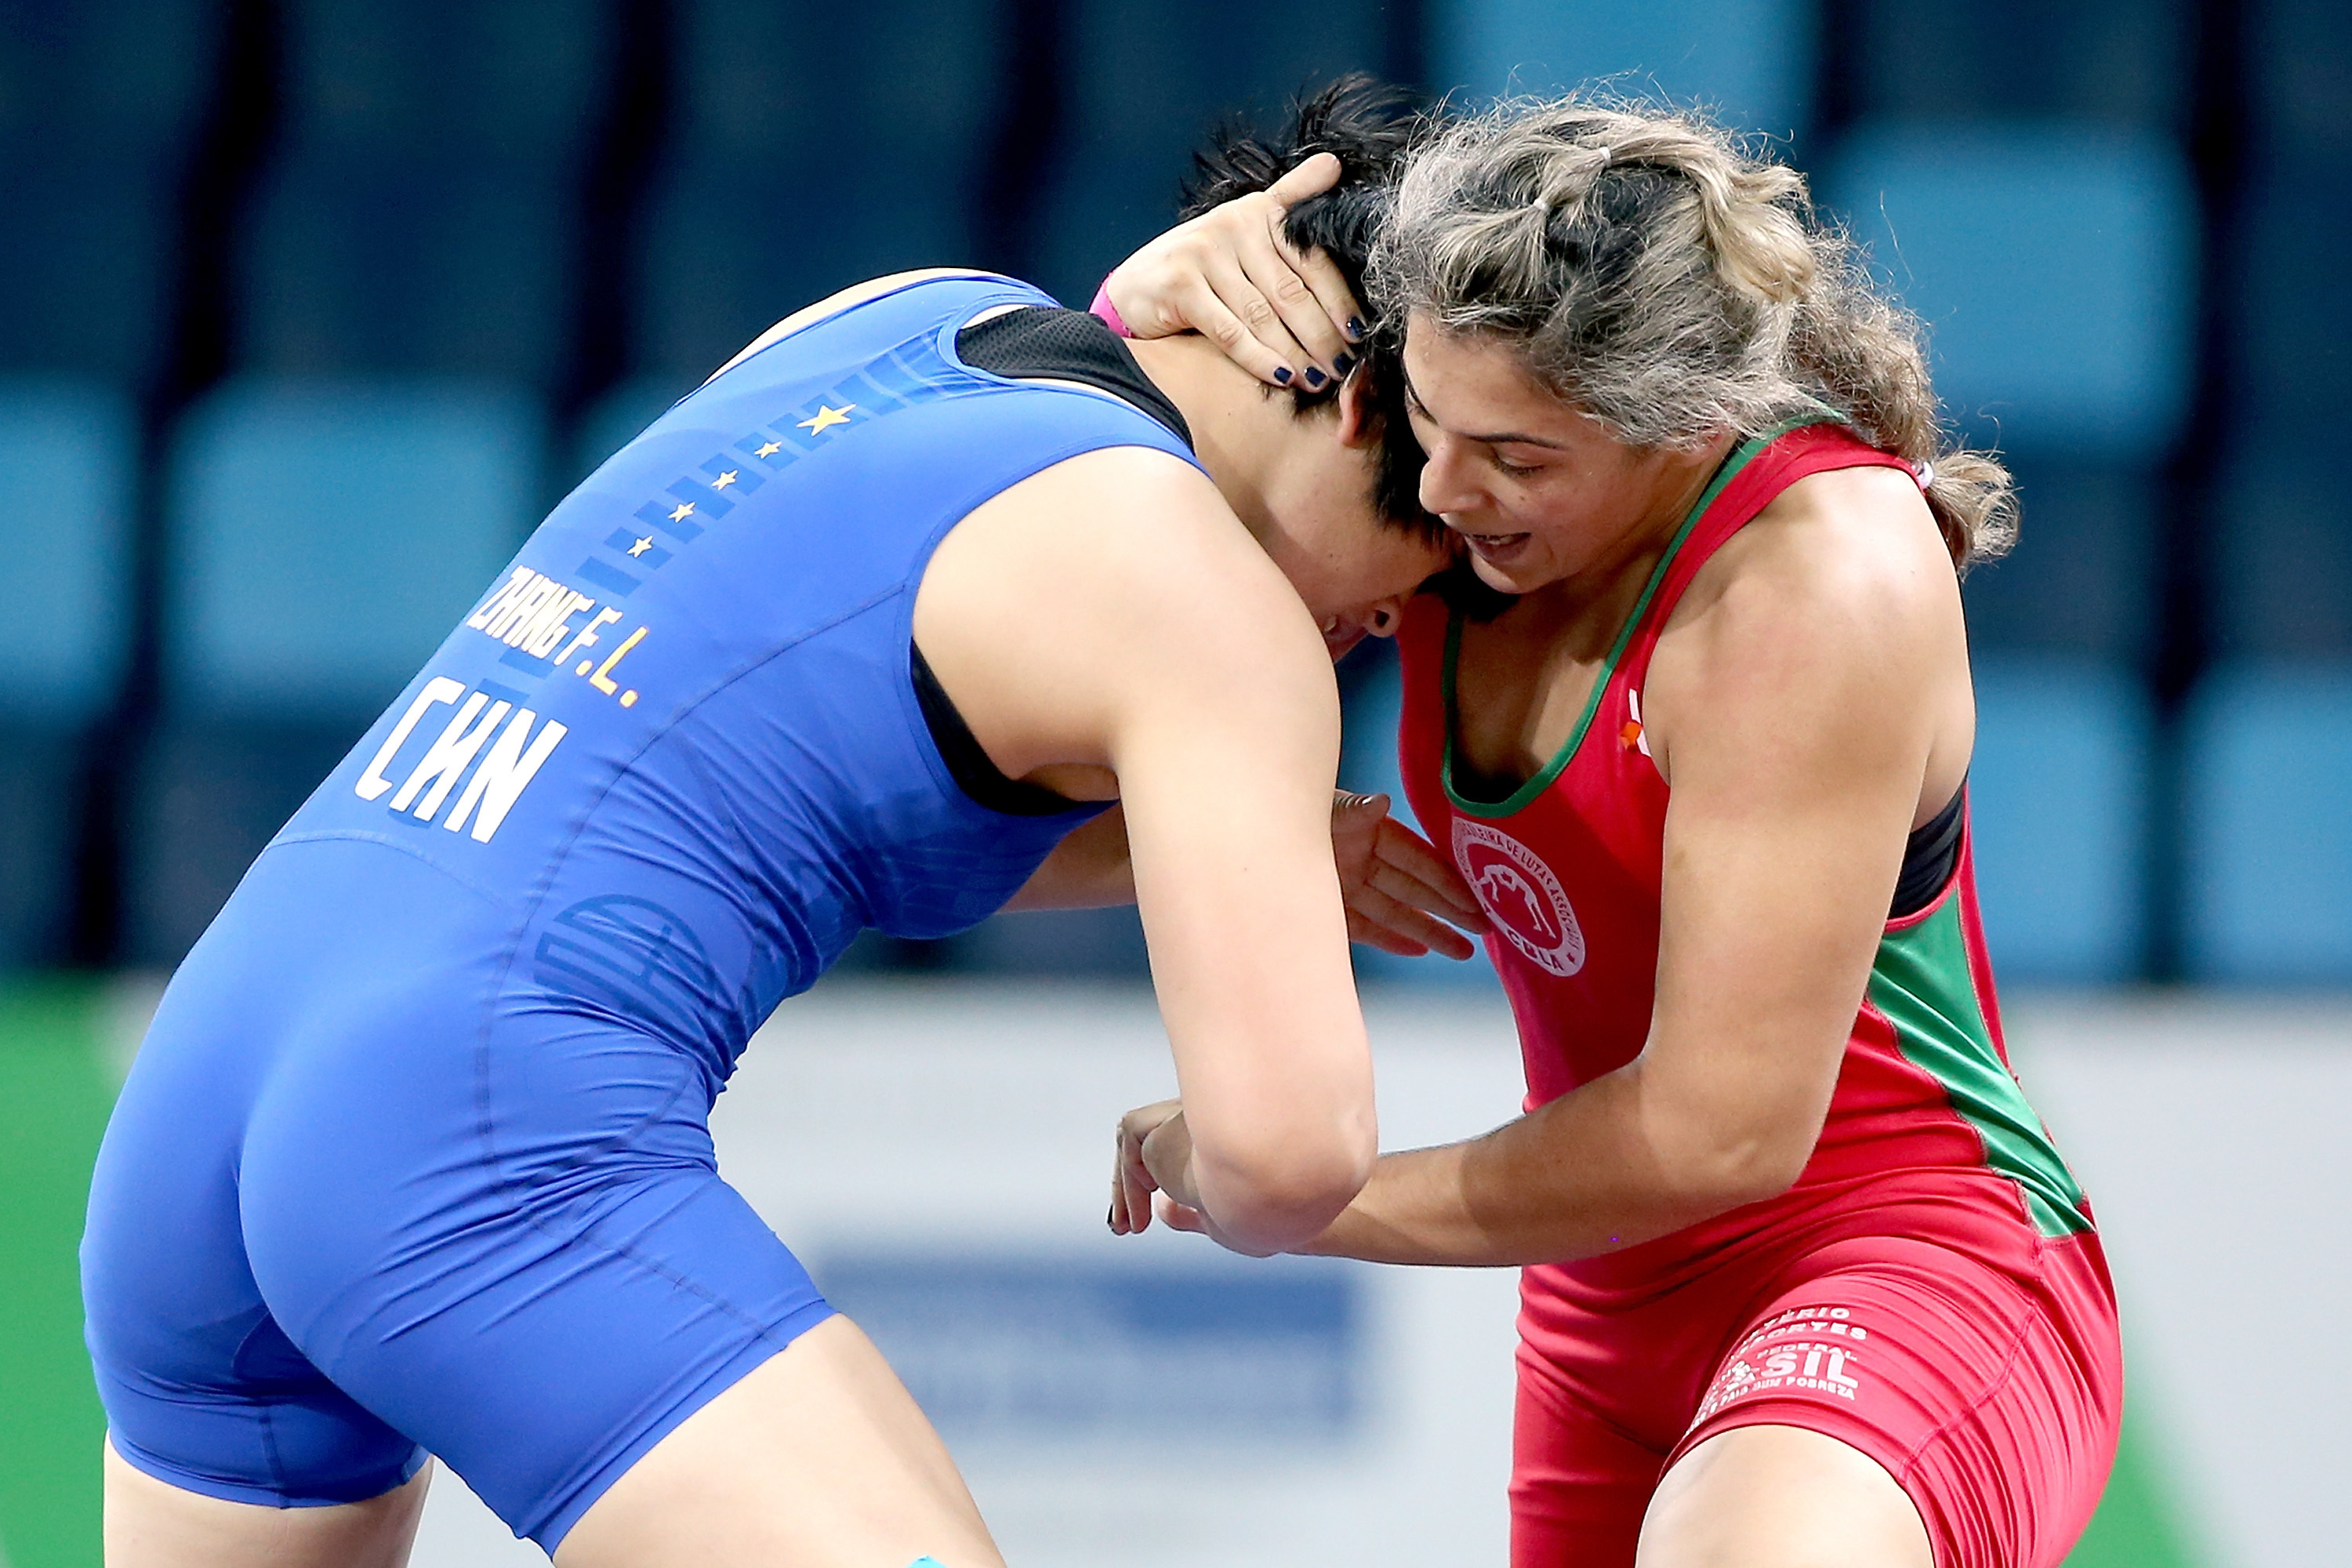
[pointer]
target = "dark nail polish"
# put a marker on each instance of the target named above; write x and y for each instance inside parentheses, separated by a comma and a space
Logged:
(1356, 328)
(1315, 379)
(1282, 373)
(1343, 363)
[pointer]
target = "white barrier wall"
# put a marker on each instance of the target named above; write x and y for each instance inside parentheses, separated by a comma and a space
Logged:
(939, 1153)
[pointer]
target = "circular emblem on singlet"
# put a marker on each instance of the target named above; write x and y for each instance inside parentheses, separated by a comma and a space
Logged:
(1521, 895)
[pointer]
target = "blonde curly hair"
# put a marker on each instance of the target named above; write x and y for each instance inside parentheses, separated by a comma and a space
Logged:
(1669, 282)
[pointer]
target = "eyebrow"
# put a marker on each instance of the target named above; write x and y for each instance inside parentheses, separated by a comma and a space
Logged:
(1498, 438)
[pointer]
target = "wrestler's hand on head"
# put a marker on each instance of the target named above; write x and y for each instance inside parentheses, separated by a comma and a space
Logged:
(1401, 892)
(1230, 276)
(1154, 1154)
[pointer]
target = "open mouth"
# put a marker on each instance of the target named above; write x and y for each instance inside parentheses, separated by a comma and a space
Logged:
(1495, 546)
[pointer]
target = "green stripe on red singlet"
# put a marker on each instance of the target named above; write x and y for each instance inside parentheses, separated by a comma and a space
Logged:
(1921, 983)
(55, 1093)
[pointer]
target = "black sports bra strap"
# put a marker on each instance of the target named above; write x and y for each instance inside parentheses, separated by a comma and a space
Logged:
(1928, 857)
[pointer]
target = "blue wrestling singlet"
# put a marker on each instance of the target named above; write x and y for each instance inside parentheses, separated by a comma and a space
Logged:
(415, 1157)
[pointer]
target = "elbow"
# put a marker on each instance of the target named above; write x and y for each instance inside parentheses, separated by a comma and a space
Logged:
(1730, 1171)
(1276, 1194)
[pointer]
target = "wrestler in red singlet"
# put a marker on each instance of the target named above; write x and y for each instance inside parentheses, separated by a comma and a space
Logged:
(1931, 1291)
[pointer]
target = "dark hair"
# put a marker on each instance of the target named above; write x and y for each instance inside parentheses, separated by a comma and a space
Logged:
(1372, 127)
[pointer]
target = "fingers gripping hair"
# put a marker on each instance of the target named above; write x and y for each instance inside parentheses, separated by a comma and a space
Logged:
(1672, 283)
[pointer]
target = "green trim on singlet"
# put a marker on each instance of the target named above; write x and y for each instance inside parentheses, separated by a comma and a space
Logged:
(1519, 798)
(1922, 983)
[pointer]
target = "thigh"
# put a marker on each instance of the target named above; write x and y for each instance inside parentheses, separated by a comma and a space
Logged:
(1782, 1496)
(1578, 1483)
(150, 1523)
(542, 1354)
(1984, 1399)
(818, 1459)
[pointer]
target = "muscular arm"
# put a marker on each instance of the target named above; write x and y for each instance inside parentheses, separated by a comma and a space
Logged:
(1167, 658)
(1800, 701)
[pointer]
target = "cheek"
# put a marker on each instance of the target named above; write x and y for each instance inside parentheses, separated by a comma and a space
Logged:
(1563, 515)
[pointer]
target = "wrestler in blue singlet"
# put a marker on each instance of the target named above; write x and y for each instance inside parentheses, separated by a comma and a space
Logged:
(416, 1156)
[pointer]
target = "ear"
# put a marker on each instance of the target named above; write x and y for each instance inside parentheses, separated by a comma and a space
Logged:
(1359, 419)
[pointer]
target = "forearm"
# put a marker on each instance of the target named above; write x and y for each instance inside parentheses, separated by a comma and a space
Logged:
(1601, 1168)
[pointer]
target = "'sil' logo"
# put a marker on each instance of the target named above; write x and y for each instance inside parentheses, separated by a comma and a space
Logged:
(1521, 895)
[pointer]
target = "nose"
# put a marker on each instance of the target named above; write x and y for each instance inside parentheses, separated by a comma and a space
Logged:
(1385, 617)
(1445, 483)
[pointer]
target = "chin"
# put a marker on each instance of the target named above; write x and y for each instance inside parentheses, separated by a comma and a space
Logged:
(1502, 579)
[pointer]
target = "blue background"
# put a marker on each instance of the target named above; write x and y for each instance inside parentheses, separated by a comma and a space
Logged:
(311, 307)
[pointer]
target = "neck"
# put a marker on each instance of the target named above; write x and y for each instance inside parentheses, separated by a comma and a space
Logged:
(1238, 424)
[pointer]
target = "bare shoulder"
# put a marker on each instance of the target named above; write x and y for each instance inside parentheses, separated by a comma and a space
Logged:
(1837, 604)
(1134, 554)
(1849, 559)
(1110, 583)
(1129, 526)
(834, 304)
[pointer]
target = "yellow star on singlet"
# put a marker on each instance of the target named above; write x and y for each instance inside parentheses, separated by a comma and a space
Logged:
(769, 448)
(723, 480)
(826, 418)
(639, 548)
(685, 510)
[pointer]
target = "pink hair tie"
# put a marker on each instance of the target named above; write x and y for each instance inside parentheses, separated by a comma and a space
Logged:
(1926, 474)
(1106, 313)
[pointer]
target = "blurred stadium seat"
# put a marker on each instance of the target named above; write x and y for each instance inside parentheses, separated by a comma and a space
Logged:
(2121, 61)
(99, 105)
(2082, 582)
(613, 420)
(2055, 267)
(2269, 877)
(328, 536)
(815, 146)
(2285, 586)
(420, 218)
(1751, 61)
(2284, 578)
(1146, 81)
(2300, 59)
(69, 457)
(2058, 811)
(68, 463)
